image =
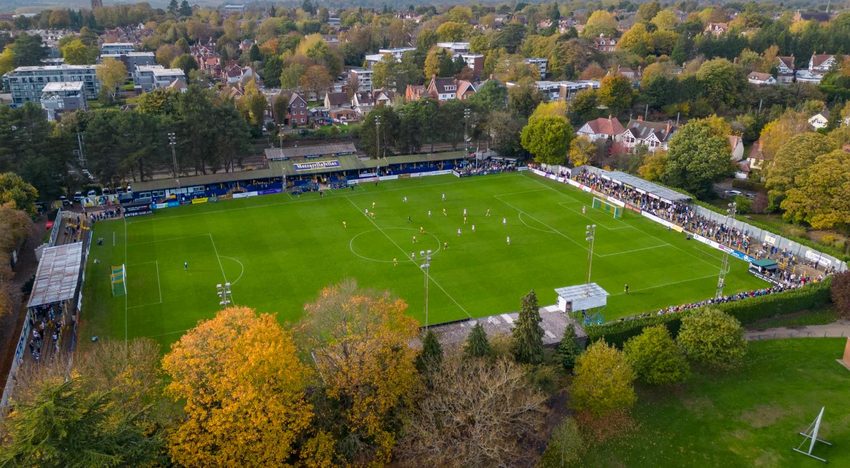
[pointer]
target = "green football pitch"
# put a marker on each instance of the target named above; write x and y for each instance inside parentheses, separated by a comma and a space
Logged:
(278, 251)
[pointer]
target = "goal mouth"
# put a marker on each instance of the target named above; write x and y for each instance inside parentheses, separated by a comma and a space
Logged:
(608, 207)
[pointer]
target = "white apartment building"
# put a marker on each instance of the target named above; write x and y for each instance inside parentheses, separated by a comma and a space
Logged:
(63, 96)
(117, 48)
(542, 65)
(27, 83)
(363, 77)
(150, 77)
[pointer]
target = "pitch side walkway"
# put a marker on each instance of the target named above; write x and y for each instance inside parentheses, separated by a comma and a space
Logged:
(553, 323)
(838, 329)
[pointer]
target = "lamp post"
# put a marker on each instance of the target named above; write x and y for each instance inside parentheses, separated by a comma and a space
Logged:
(172, 142)
(590, 236)
(466, 114)
(224, 293)
(280, 128)
(378, 144)
(724, 265)
(425, 257)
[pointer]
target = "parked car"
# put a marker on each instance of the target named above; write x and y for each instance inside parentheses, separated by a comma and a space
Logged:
(92, 193)
(64, 200)
(78, 196)
(733, 193)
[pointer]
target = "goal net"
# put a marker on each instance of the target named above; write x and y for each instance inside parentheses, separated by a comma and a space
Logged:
(615, 210)
(119, 280)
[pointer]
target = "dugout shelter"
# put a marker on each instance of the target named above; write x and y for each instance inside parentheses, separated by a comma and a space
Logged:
(581, 297)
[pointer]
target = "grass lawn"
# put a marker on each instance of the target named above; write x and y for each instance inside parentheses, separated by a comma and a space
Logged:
(278, 251)
(798, 319)
(750, 417)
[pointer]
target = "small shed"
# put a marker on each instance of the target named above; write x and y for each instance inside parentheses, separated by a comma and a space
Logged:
(581, 297)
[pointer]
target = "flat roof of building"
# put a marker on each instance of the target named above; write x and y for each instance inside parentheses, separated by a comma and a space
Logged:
(33, 68)
(130, 54)
(168, 72)
(57, 275)
(581, 291)
(117, 44)
(312, 151)
(58, 86)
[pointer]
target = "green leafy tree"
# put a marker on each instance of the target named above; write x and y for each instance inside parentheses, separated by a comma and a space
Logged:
(636, 40)
(604, 381)
(712, 338)
(64, 425)
(527, 335)
(477, 344)
(600, 22)
(272, 69)
(111, 73)
(28, 50)
(582, 151)
(615, 92)
(723, 82)
(185, 9)
(14, 189)
(184, 62)
(655, 357)
(566, 446)
(547, 138)
(491, 96)
(78, 53)
(524, 98)
(697, 158)
(793, 158)
(821, 197)
(431, 356)
(569, 348)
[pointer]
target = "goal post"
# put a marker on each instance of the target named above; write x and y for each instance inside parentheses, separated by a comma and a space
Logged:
(119, 280)
(607, 207)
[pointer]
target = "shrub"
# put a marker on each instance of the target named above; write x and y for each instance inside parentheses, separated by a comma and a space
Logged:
(713, 338)
(840, 293)
(604, 381)
(655, 357)
(566, 446)
(569, 349)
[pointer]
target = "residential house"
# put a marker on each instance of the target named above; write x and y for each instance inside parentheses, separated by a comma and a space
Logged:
(819, 65)
(367, 100)
(208, 60)
(756, 159)
(652, 135)
(736, 146)
(785, 69)
(601, 129)
(334, 100)
(761, 79)
(297, 113)
(234, 74)
(447, 89)
(604, 43)
(820, 120)
(716, 29)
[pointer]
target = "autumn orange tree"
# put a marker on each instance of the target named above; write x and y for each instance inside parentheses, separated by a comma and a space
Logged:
(244, 392)
(359, 341)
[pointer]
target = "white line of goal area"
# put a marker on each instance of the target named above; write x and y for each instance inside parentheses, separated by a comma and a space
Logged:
(404, 254)
(664, 285)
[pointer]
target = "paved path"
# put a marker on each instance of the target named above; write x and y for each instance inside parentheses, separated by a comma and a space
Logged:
(838, 329)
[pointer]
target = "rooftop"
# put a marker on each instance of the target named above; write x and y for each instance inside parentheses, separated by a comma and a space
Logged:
(642, 186)
(58, 86)
(313, 151)
(57, 275)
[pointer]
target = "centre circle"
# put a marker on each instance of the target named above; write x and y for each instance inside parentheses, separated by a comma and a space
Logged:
(384, 245)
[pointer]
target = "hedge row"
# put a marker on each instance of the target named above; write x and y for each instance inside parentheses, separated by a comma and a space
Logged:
(747, 311)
